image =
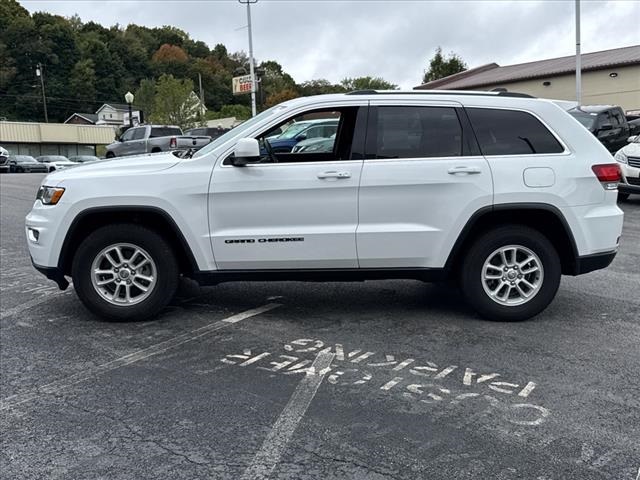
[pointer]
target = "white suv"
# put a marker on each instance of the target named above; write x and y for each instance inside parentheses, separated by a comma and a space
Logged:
(499, 190)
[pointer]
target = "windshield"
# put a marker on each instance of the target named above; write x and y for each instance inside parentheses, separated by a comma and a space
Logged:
(52, 158)
(237, 131)
(24, 159)
(293, 130)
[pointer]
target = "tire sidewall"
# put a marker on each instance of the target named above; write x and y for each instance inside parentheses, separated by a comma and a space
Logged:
(471, 274)
(158, 249)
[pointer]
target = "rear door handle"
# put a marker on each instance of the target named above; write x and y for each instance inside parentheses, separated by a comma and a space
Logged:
(464, 170)
(334, 174)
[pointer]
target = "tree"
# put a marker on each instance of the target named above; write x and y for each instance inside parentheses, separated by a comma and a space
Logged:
(82, 84)
(440, 67)
(241, 112)
(174, 103)
(367, 83)
(319, 87)
(145, 96)
(279, 97)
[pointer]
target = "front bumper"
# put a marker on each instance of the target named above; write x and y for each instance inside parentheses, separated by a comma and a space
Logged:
(630, 182)
(52, 273)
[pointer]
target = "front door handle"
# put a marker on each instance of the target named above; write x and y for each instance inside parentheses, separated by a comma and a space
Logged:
(464, 170)
(334, 174)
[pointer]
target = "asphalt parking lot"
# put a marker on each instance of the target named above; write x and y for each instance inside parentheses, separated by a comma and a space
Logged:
(408, 382)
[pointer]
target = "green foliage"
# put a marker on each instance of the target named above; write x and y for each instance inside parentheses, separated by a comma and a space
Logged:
(367, 83)
(174, 103)
(145, 96)
(440, 67)
(241, 112)
(86, 65)
(319, 87)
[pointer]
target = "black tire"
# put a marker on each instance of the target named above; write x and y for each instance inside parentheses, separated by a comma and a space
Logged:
(622, 196)
(110, 155)
(155, 150)
(158, 249)
(471, 273)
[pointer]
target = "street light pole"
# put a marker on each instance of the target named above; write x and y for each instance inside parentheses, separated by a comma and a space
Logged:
(128, 97)
(251, 68)
(578, 58)
(40, 73)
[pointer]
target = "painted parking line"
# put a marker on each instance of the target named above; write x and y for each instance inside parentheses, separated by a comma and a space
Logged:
(276, 442)
(93, 372)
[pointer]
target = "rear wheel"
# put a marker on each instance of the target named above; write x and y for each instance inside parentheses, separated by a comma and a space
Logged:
(110, 155)
(511, 273)
(125, 272)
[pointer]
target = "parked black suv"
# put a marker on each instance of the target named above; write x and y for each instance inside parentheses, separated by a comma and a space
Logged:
(607, 122)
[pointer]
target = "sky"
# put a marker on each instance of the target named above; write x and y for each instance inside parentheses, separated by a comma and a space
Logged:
(393, 39)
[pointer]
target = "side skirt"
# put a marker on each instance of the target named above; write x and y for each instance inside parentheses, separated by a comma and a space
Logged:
(319, 275)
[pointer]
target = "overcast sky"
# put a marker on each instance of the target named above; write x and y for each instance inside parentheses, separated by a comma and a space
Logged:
(393, 39)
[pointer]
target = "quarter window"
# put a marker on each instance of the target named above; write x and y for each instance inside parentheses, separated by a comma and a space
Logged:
(416, 132)
(510, 132)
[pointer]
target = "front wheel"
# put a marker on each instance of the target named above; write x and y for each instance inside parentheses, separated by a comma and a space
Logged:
(511, 273)
(110, 155)
(125, 272)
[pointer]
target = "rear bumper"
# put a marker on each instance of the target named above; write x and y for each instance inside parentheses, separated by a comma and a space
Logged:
(597, 261)
(52, 273)
(627, 188)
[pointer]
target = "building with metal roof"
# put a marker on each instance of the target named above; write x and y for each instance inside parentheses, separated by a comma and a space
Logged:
(29, 138)
(608, 77)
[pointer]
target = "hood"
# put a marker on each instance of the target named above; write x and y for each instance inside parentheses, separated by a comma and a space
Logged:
(632, 149)
(118, 166)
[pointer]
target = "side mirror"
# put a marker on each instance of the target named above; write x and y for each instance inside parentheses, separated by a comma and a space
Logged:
(246, 151)
(605, 126)
(301, 137)
(632, 139)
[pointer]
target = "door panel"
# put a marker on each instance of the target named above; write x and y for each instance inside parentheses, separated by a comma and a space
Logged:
(284, 216)
(412, 208)
(294, 211)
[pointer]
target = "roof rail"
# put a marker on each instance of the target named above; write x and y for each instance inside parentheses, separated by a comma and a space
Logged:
(500, 93)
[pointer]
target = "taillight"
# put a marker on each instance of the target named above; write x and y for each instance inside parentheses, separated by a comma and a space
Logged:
(173, 143)
(608, 174)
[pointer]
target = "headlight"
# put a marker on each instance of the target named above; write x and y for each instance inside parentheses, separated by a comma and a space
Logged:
(49, 195)
(621, 157)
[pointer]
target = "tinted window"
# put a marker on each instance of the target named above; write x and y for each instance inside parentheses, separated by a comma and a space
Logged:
(126, 136)
(138, 133)
(509, 132)
(417, 132)
(165, 132)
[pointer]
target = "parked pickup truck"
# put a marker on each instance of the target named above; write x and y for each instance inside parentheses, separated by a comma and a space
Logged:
(607, 122)
(152, 139)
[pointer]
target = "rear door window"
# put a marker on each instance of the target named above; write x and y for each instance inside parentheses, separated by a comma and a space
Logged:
(414, 132)
(511, 132)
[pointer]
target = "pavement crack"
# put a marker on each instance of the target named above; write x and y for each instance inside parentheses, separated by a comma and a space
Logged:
(135, 435)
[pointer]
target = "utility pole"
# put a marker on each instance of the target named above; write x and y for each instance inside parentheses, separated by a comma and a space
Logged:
(251, 67)
(40, 73)
(201, 112)
(578, 59)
